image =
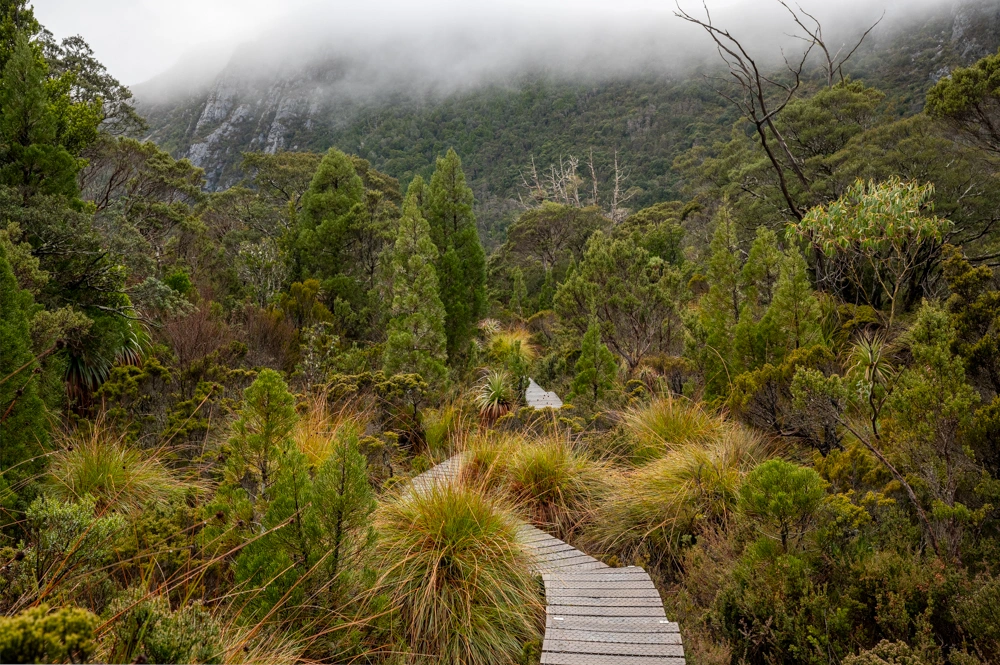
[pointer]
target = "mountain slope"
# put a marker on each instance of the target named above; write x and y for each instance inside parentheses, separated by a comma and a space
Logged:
(648, 119)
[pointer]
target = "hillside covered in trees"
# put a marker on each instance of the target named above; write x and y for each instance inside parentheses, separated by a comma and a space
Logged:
(773, 318)
(646, 117)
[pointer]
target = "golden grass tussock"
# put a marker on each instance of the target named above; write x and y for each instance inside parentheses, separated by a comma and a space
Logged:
(552, 482)
(447, 428)
(664, 424)
(506, 344)
(98, 461)
(320, 426)
(695, 484)
(453, 567)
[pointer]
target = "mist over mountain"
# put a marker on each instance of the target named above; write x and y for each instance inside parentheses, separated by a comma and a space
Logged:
(506, 84)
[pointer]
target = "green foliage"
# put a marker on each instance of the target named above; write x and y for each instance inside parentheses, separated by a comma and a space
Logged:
(146, 626)
(416, 334)
(494, 396)
(23, 426)
(457, 575)
(794, 308)
(930, 407)
(41, 635)
(974, 306)
(461, 268)
(969, 100)
(784, 497)
(596, 369)
(262, 430)
(33, 158)
(339, 242)
(65, 544)
(884, 237)
(627, 291)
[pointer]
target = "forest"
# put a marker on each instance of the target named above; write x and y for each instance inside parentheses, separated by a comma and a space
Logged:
(781, 381)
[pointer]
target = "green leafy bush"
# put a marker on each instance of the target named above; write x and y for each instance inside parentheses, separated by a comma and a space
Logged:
(41, 635)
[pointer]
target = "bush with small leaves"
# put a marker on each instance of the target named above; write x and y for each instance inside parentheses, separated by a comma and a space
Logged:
(41, 635)
(783, 498)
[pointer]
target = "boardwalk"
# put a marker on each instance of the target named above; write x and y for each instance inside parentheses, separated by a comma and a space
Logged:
(539, 398)
(594, 614)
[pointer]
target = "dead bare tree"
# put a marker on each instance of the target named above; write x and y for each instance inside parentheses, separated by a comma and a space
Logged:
(562, 184)
(619, 196)
(595, 199)
(834, 65)
(761, 97)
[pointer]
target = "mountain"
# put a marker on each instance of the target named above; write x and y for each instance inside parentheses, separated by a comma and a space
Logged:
(647, 115)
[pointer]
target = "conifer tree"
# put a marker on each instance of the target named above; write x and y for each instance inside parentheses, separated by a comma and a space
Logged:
(344, 501)
(721, 306)
(416, 336)
(761, 270)
(794, 307)
(333, 214)
(263, 429)
(22, 414)
(461, 268)
(596, 369)
(32, 158)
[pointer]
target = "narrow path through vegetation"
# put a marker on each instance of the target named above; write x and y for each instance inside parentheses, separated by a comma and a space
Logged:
(594, 614)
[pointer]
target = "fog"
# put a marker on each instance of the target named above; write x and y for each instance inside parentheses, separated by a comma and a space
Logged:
(177, 46)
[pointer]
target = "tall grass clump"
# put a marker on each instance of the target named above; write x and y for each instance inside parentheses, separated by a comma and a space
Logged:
(445, 429)
(97, 461)
(319, 428)
(487, 458)
(650, 510)
(455, 571)
(664, 424)
(555, 483)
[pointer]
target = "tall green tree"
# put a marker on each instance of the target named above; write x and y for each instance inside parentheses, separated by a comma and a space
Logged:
(33, 159)
(333, 216)
(416, 338)
(596, 369)
(969, 100)
(715, 326)
(632, 295)
(260, 433)
(794, 307)
(461, 267)
(22, 413)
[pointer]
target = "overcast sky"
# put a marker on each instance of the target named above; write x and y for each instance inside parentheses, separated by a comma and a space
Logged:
(138, 39)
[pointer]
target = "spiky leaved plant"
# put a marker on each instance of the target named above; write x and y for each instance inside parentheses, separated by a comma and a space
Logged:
(494, 396)
(455, 571)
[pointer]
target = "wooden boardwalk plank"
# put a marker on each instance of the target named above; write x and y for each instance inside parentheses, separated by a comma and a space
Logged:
(613, 648)
(606, 636)
(555, 658)
(626, 624)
